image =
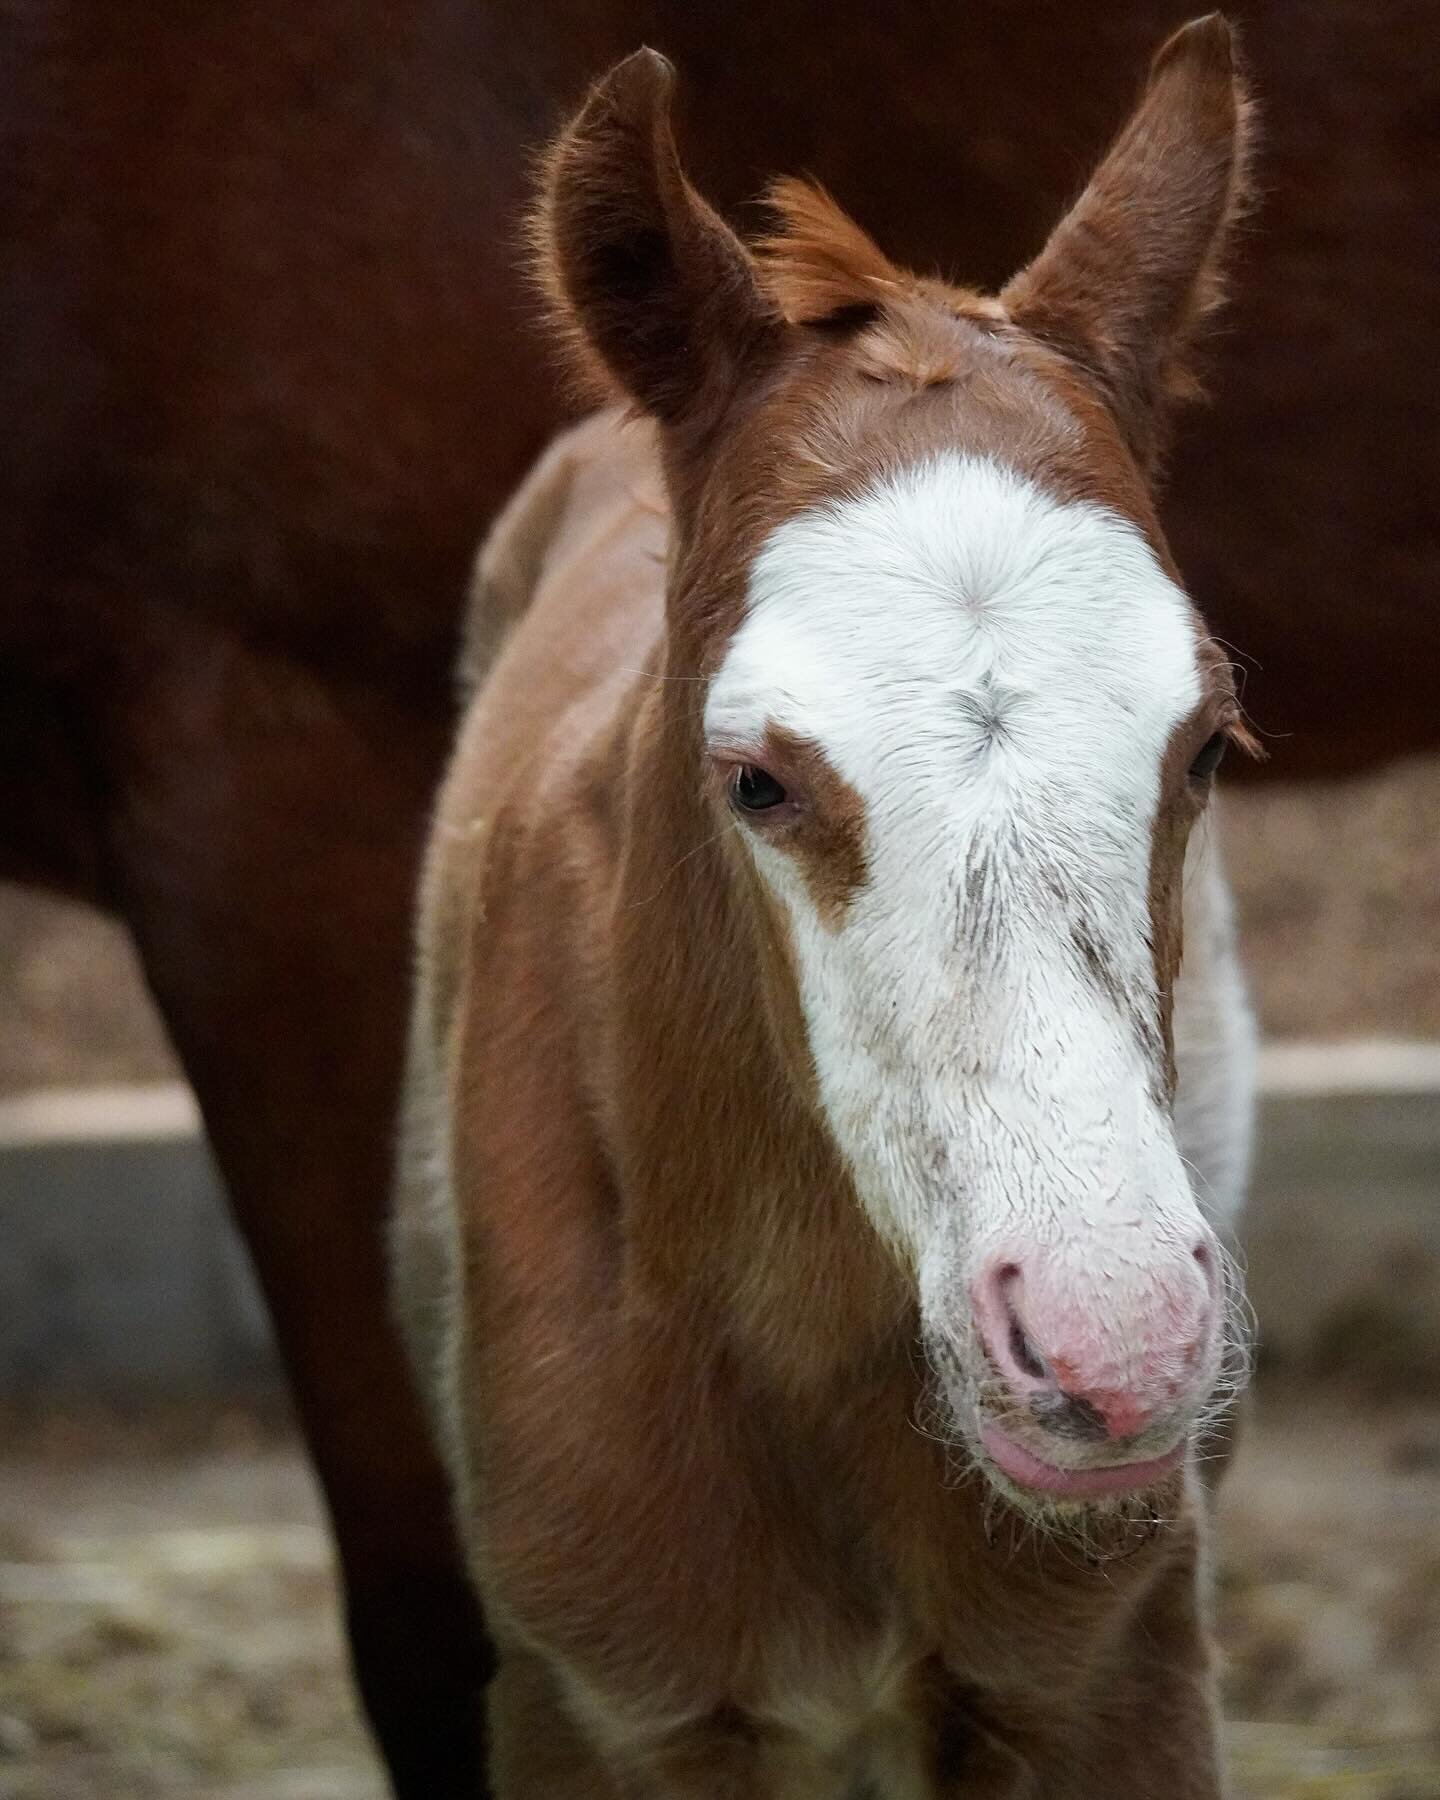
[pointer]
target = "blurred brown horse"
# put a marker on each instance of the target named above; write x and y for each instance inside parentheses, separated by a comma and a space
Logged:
(265, 377)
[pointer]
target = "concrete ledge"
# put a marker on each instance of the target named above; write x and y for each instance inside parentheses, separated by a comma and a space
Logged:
(121, 1276)
(126, 1114)
(1358, 1066)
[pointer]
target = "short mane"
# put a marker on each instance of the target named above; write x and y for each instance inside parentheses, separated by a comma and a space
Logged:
(818, 262)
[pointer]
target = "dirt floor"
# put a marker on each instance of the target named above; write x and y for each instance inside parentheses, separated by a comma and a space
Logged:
(167, 1620)
(167, 1617)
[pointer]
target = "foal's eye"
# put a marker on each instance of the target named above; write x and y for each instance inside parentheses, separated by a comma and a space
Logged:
(753, 790)
(1208, 761)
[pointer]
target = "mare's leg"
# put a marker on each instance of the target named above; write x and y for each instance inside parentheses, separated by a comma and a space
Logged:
(262, 845)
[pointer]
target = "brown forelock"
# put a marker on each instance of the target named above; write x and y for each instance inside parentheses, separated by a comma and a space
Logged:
(820, 268)
(819, 264)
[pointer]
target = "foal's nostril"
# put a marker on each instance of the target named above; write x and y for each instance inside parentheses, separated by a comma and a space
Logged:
(1023, 1354)
(1026, 1356)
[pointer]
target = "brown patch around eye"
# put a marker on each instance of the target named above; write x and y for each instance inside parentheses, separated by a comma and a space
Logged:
(1174, 818)
(827, 838)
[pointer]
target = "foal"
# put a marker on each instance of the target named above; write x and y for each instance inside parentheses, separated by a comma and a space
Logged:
(793, 1062)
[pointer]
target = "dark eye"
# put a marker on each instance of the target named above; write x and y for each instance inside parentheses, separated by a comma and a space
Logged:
(754, 791)
(1208, 761)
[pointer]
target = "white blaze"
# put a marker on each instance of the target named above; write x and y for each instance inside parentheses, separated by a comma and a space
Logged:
(997, 674)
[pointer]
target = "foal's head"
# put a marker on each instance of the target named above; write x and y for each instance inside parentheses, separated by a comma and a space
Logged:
(964, 718)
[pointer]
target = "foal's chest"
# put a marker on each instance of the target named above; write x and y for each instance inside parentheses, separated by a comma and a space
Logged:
(835, 1723)
(849, 1727)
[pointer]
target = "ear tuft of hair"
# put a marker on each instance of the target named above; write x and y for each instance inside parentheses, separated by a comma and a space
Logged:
(818, 263)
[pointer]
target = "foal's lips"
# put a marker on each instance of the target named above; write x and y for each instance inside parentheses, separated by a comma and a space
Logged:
(1027, 1470)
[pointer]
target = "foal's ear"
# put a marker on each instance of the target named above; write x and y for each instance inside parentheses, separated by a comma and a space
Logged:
(1136, 264)
(655, 292)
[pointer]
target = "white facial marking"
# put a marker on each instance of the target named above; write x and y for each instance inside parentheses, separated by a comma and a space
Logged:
(997, 674)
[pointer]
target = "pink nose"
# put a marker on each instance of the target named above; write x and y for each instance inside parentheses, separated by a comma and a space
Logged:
(1102, 1364)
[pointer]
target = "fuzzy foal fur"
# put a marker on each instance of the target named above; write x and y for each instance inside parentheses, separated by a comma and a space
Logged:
(671, 1365)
